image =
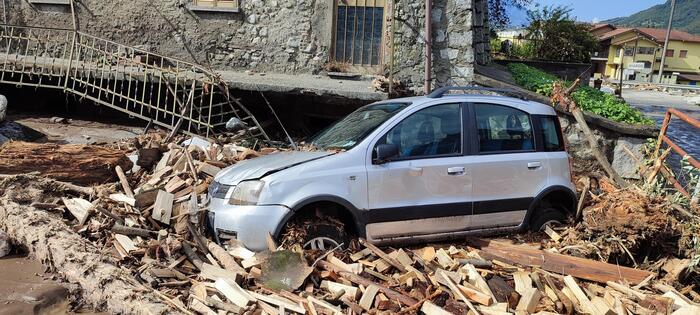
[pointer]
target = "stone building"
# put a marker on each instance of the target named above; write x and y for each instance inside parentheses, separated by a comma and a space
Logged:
(293, 37)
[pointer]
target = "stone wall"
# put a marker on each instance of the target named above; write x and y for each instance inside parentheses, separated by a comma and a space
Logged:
(459, 38)
(610, 142)
(283, 36)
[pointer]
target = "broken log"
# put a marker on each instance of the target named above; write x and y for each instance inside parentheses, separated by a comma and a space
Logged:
(575, 266)
(73, 163)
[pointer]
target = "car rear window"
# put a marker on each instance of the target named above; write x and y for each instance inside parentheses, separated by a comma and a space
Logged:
(551, 134)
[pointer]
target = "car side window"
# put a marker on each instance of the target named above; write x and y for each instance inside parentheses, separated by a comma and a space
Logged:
(433, 131)
(503, 128)
(551, 134)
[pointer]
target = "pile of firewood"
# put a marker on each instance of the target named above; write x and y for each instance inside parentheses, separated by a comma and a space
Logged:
(152, 223)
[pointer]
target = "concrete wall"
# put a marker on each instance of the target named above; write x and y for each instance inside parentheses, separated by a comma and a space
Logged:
(284, 36)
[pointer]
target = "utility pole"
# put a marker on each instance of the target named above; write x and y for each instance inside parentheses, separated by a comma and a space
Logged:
(622, 68)
(668, 34)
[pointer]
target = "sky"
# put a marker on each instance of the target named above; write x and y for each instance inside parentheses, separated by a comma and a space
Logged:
(590, 10)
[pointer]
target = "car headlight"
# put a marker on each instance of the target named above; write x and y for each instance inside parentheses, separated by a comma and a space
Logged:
(246, 193)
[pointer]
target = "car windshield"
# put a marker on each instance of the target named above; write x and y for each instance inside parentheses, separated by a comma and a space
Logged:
(352, 129)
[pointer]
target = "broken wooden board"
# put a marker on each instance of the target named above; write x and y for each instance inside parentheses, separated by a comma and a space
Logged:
(563, 264)
(78, 207)
(163, 207)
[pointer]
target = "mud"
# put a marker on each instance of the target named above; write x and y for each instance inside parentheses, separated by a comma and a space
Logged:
(25, 289)
(105, 286)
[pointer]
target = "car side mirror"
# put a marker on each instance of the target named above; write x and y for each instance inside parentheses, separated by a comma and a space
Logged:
(385, 152)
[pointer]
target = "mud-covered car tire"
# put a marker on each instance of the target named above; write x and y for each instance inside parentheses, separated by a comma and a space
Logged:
(547, 216)
(324, 236)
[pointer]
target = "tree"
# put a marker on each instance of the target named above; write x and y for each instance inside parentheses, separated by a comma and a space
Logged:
(498, 17)
(556, 36)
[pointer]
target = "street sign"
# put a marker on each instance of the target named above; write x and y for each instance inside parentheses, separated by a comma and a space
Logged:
(635, 66)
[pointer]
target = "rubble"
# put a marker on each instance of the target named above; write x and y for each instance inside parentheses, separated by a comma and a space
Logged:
(5, 246)
(137, 245)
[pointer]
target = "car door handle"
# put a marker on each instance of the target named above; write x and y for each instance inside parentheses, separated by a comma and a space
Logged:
(456, 171)
(534, 165)
(415, 171)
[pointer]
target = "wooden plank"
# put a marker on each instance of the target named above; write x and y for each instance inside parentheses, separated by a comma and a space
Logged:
(578, 267)
(163, 207)
(124, 181)
(529, 300)
(383, 255)
(428, 254)
(580, 296)
(350, 292)
(478, 281)
(368, 297)
(125, 242)
(394, 295)
(444, 259)
(233, 292)
(208, 169)
(224, 258)
(429, 308)
(279, 302)
(78, 207)
(458, 293)
(476, 295)
(523, 282)
(211, 272)
(119, 197)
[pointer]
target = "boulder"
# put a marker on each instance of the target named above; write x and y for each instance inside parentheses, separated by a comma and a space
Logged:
(622, 162)
(5, 245)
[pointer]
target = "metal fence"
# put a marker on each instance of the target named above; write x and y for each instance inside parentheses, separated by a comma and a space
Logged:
(167, 91)
(675, 147)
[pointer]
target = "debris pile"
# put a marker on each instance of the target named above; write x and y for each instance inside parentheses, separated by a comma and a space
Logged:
(148, 231)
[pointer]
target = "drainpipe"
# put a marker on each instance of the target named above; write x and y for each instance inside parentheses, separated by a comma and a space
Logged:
(428, 40)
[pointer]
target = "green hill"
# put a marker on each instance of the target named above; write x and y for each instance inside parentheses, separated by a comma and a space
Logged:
(686, 17)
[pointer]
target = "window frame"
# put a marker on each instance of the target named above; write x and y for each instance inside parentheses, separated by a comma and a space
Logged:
(359, 67)
(476, 145)
(465, 146)
(539, 133)
(683, 54)
(671, 51)
(192, 6)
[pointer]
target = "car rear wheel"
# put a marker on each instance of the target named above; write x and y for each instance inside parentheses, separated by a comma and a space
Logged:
(547, 217)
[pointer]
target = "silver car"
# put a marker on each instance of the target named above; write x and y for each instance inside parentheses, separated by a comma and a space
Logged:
(434, 167)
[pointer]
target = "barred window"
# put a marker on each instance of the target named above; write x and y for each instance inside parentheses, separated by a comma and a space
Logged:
(358, 31)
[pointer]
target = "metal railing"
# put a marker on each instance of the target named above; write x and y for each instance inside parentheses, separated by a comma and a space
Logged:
(673, 146)
(166, 91)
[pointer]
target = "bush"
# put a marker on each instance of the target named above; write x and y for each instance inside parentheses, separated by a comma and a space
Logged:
(586, 98)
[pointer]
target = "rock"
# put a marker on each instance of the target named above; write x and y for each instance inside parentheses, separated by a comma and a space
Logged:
(3, 107)
(5, 246)
(622, 162)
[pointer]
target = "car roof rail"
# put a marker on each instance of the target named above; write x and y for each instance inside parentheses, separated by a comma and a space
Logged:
(440, 92)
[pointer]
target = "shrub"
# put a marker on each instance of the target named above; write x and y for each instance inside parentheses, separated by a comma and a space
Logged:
(586, 98)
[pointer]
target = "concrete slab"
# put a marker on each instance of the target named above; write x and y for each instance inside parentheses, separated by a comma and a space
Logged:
(303, 84)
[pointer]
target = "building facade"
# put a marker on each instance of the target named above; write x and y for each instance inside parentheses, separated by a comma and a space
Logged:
(286, 36)
(637, 52)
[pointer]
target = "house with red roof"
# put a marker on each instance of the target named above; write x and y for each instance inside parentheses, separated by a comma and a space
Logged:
(635, 53)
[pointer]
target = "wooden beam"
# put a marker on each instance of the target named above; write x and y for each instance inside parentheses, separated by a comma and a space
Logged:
(578, 267)
(233, 292)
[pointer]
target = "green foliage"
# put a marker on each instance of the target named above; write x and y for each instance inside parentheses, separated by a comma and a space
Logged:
(607, 105)
(686, 17)
(557, 36)
(587, 98)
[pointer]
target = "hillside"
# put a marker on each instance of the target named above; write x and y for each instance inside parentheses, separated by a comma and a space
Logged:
(686, 17)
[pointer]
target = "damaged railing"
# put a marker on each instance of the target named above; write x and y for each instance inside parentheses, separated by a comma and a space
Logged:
(675, 147)
(166, 91)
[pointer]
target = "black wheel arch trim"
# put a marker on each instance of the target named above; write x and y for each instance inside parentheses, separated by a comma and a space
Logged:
(359, 217)
(571, 207)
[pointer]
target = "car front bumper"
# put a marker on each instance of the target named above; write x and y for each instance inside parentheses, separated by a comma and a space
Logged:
(248, 224)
